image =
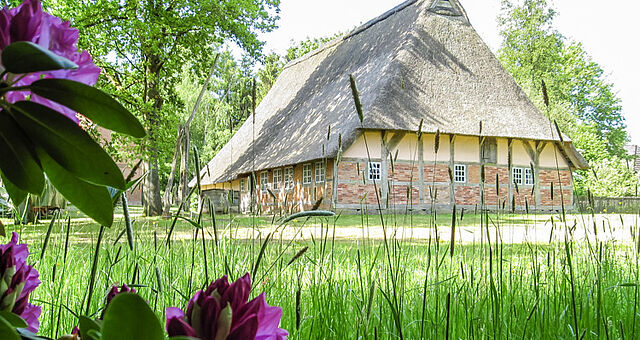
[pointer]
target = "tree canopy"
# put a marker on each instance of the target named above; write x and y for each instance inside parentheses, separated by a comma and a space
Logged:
(580, 98)
(142, 47)
(533, 51)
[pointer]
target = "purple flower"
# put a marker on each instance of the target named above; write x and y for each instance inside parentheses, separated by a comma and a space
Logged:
(28, 22)
(17, 281)
(224, 311)
(114, 292)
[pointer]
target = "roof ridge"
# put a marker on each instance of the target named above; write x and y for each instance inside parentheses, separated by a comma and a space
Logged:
(352, 33)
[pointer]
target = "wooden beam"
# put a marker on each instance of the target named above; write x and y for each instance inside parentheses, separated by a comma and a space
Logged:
(395, 140)
(452, 154)
(421, 170)
(510, 169)
(334, 197)
(384, 164)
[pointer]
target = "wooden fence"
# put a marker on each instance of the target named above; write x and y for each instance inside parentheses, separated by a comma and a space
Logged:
(627, 205)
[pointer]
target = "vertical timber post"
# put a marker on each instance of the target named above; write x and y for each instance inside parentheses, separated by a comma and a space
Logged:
(452, 153)
(421, 170)
(334, 193)
(509, 168)
(384, 183)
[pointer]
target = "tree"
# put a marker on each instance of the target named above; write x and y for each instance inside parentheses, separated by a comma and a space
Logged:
(533, 51)
(141, 47)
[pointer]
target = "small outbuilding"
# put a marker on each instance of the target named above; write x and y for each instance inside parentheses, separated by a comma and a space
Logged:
(444, 124)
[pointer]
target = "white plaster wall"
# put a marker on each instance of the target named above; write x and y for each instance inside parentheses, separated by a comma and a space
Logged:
(407, 148)
(359, 149)
(467, 149)
(503, 151)
(548, 157)
(519, 154)
(429, 152)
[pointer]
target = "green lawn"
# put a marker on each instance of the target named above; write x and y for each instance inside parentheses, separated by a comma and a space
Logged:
(360, 287)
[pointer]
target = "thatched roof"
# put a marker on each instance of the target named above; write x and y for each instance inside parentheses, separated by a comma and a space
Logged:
(420, 61)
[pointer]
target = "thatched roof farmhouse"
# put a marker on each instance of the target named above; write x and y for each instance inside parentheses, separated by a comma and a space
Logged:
(422, 61)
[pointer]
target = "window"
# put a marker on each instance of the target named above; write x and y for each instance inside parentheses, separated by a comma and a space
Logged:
(288, 178)
(490, 150)
(306, 174)
(242, 183)
(277, 178)
(264, 181)
(528, 176)
(374, 171)
(517, 176)
(460, 173)
(320, 172)
(522, 176)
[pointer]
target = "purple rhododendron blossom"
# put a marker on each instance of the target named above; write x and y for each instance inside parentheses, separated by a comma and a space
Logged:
(18, 281)
(115, 291)
(28, 22)
(224, 311)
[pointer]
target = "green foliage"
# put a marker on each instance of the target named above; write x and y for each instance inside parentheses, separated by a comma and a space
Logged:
(608, 177)
(534, 51)
(307, 46)
(25, 57)
(129, 317)
(142, 48)
(37, 140)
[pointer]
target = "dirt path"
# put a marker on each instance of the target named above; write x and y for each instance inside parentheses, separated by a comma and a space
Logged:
(538, 230)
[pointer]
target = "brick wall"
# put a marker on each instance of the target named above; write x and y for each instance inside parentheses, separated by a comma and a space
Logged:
(404, 175)
(354, 190)
(300, 197)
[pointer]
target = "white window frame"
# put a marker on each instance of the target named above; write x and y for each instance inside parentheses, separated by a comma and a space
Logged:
(460, 173)
(321, 172)
(518, 175)
(264, 181)
(525, 176)
(374, 171)
(288, 178)
(307, 171)
(277, 178)
(528, 177)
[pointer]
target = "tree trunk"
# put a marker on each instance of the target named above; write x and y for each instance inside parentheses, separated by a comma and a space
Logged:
(183, 189)
(153, 200)
(168, 191)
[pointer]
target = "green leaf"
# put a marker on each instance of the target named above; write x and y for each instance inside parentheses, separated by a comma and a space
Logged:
(96, 105)
(27, 57)
(68, 144)
(26, 335)
(16, 157)
(17, 195)
(13, 319)
(128, 317)
(86, 325)
(93, 200)
(7, 331)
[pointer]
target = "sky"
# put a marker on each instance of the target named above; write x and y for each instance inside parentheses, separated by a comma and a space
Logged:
(605, 28)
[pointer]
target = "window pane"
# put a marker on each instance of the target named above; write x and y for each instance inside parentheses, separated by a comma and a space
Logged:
(277, 178)
(320, 172)
(288, 178)
(517, 176)
(460, 173)
(374, 171)
(306, 174)
(528, 176)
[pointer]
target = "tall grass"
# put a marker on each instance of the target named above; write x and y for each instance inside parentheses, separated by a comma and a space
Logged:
(331, 288)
